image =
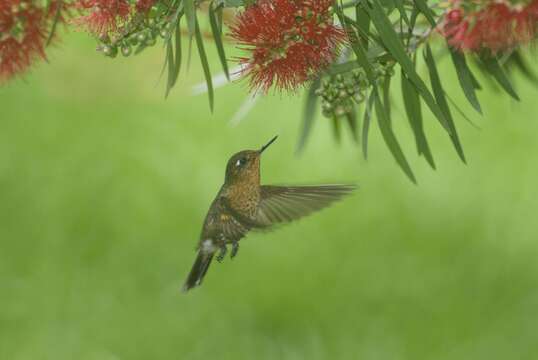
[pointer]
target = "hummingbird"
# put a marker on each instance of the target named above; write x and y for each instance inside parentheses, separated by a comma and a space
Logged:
(242, 205)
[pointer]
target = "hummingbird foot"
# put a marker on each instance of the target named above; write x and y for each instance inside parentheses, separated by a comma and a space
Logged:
(222, 253)
(235, 249)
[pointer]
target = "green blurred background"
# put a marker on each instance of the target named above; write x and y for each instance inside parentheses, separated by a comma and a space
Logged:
(103, 190)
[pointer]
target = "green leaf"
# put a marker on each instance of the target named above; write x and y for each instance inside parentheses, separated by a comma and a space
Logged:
(396, 48)
(366, 122)
(374, 53)
(233, 3)
(390, 139)
(363, 22)
(386, 95)
(356, 46)
(336, 128)
(309, 113)
(413, 20)
(190, 12)
(400, 6)
(171, 67)
(475, 82)
(59, 5)
(364, 35)
(351, 118)
(218, 40)
(388, 4)
(426, 11)
(441, 100)
(519, 61)
(414, 115)
(177, 64)
(205, 64)
(465, 77)
(492, 66)
(219, 18)
(455, 106)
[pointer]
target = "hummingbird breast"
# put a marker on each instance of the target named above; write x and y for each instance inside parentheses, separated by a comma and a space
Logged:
(244, 198)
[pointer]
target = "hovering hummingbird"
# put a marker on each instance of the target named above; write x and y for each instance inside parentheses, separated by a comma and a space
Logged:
(242, 204)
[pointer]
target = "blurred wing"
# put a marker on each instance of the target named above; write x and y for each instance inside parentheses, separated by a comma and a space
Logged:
(281, 204)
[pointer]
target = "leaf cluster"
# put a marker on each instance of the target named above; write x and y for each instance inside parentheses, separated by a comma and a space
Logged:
(385, 38)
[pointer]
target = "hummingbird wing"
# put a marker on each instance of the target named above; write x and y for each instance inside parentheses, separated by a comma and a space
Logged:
(223, 220)
(233, 229)
(281, 204)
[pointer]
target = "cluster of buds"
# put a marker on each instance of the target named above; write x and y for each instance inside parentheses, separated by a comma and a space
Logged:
(143, 34)
(340, 93)
(102, 17)
(490, 25)
(119, 24)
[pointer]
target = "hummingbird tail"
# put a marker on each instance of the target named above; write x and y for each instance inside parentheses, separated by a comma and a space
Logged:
(198, 270)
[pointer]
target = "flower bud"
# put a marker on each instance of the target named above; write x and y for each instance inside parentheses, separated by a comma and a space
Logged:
(126, 50)
(110, 51)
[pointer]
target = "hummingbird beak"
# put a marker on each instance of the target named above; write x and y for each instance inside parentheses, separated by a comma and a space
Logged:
(267, 145)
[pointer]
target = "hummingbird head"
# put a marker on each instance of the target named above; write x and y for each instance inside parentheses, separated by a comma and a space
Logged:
(245, 165)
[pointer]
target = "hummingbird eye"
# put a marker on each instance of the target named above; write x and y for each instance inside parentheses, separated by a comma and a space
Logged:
(242, 161)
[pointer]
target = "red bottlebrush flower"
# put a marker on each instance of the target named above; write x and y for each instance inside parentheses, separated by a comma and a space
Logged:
(104, 15)
(495, 26)
(22, 36)
(143, 6)
(288, 40)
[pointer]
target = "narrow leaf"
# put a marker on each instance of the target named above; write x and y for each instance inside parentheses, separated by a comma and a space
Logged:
(386, 95)
(218, 40)
(366, 122)
(475, 82)
(219, 18)
(233, 3)
(171, 67)
(396, 48)
(362, 33)
(519, 61)
(493, 67)
(390, 139)
(309, 114)
(352, 122)
(358, 49)
(336, 128)
(441, 100)
(373, 54)
(177, 64)
(363, 22)
(59, 5)
(205, 64)
(465, 78)
(388, 4)
(460, 111)
(426, 11)
(400, 6)
(414, 116)
(190, 12)
(412, 22)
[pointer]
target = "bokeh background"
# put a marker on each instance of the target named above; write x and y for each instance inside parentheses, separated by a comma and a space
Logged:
(103, 190)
